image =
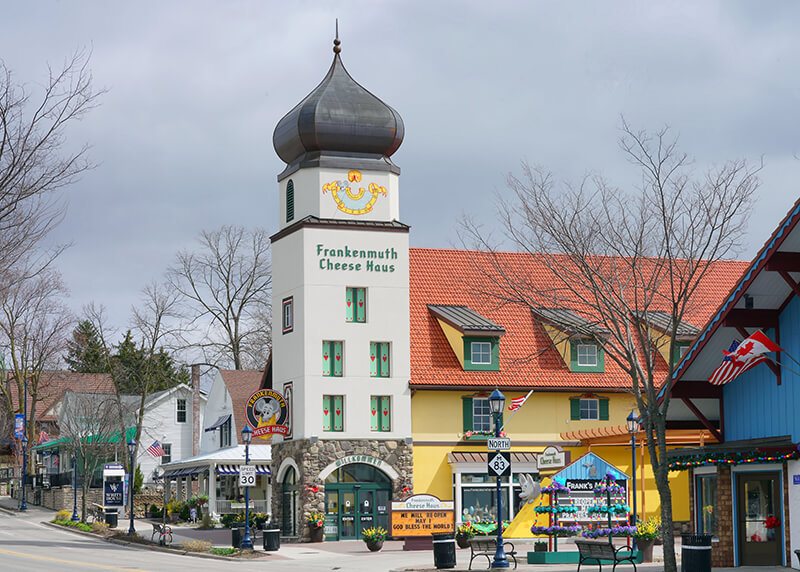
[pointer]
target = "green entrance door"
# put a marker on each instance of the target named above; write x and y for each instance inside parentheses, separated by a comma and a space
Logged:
(357, 496)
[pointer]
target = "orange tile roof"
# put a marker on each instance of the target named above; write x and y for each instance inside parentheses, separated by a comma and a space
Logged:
(527, 358)
(241, 385)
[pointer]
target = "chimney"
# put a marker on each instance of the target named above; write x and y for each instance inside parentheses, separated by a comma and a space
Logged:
(196, 429)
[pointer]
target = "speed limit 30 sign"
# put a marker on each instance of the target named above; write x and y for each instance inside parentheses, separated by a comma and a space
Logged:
(247, 475)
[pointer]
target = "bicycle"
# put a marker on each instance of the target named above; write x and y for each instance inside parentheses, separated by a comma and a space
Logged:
(164, 534)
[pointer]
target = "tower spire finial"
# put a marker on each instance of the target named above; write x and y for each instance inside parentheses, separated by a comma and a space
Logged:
(336, 42)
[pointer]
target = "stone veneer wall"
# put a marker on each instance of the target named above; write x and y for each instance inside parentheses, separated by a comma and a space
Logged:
(722, 551)
(312, 458)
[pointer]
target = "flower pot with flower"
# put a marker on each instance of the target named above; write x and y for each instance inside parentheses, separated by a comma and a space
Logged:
(647, 532)
(771, 524)
(316, 526)
(374, 537)
(464, 532)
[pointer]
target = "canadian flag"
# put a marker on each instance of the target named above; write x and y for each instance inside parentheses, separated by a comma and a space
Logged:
(741, 357)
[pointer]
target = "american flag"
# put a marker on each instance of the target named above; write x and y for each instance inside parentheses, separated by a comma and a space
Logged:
(517, 402)
(156, 449)
(741, 357)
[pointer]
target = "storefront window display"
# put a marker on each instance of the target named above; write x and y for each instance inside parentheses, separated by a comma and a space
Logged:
(707, 504)
(479, 498)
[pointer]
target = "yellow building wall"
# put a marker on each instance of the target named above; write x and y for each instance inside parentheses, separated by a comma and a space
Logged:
(437, 425)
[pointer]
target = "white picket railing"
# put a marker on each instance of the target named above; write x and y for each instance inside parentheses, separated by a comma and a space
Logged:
(229, 507)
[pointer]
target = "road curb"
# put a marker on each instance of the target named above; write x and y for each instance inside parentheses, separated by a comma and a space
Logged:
(150, 547)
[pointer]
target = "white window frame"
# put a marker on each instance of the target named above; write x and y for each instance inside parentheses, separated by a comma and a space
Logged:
(178, 411)
(287, 314)
(167, 456)
(481, 409)
(591, 409)
(480, 353)
(225, 434)
(582, 355)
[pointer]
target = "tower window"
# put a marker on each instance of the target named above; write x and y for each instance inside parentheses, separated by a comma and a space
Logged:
(379, 359)
(289, 200)
(288, 314)
(333, 413)
(332, 359)
(380, 413)
(180, 411)
(356, 305)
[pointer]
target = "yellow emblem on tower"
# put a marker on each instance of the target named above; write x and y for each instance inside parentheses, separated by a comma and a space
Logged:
(352, 200)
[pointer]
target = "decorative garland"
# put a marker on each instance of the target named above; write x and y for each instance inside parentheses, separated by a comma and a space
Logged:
(557, 530)
(609, 485)
(556, 509)
(613, 531)
(616, 508)
(468, 434)
(555, 487)
(683, 463)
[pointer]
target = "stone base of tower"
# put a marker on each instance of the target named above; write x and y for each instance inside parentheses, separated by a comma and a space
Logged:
(362, 478)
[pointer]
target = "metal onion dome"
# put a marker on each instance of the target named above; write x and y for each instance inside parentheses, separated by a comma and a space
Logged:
(340, 117)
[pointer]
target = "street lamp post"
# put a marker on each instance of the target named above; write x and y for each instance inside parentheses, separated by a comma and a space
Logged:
(633, 428)
(23, 505)
(75, 517)
(247, 542)
(132, 452)
(496, 402)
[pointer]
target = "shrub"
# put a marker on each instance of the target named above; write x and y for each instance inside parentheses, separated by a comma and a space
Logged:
(155, 512)
(227, 519)
(223, 551)
(184, 512)
(99, 527)
(196, 545)
(63, 515)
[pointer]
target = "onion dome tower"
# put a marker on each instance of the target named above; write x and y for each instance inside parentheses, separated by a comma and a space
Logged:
(340, 295)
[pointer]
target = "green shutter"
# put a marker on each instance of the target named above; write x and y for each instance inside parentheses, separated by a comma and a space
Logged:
(289, 200)
(337, 358)
(375, 412)
(338, 413)
(575, 409)
(603, 407)
(326, 412)
(373, 359)
(385, 413)
(383, 358)
(326, 359)
(351, 305)
(361, 304)
(466, 404)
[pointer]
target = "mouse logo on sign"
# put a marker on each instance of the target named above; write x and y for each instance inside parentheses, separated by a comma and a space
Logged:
(267, 413)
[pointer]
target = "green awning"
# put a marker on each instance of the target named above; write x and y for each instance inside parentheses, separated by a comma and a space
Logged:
(113, 438)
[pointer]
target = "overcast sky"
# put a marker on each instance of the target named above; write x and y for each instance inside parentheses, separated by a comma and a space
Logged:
(183, 138)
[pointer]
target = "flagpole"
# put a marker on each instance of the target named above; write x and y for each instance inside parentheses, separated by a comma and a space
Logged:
(515, 411)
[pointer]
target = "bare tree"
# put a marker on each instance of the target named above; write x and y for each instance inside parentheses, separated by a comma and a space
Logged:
(34, 160)
(622, 259)
(34, 327)
(91, 423)
(226, 286)
(142, 363)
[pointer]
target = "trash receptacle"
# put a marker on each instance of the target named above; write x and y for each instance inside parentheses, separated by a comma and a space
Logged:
(112, 516)
(444, 550)
(236, 535)
(695, 553)
(272, 538)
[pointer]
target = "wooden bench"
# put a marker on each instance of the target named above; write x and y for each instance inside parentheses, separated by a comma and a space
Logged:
(487, 546)
(597, 550)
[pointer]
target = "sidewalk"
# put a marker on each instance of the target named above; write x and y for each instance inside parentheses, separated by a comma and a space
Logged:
(392, 554)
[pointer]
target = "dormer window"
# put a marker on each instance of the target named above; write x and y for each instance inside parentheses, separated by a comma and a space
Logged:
(475, 340)
(480, 352)
(587, 355)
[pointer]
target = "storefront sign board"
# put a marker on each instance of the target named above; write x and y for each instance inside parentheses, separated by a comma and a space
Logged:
(421, 515)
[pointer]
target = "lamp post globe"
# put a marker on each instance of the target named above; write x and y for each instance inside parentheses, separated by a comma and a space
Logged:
(496, 402)
(633, 427)
(23, 505)
(132, 453)
(247, 542)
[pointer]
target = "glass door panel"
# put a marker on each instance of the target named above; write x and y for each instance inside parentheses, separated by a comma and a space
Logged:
(366, 509)
(759, 527)
(348, 511)
(382, 509)
(332, 515)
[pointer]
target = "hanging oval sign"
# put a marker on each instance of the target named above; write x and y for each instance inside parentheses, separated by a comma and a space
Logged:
(267, 413)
